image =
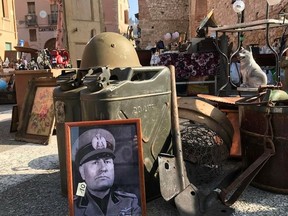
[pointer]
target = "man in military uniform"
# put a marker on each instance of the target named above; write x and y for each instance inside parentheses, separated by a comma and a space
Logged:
(95, 159)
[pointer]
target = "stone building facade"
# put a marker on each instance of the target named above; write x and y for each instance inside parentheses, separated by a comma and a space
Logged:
(8, 30)
(116, 15)
(37, 23)
(157, 17)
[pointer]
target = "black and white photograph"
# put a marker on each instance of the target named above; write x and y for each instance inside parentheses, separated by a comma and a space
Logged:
(105, 168)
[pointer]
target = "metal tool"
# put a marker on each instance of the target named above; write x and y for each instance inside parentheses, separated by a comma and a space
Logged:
(174, 183)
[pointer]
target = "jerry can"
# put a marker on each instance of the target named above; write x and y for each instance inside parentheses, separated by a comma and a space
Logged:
(140, 92)
(66, 99)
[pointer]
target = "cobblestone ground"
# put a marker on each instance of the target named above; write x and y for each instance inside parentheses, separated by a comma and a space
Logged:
(30, 182)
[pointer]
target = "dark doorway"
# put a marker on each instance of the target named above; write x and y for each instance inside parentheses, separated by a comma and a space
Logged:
(50, 44)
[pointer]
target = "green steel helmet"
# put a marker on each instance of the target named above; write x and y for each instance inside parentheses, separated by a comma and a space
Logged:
(109, 49)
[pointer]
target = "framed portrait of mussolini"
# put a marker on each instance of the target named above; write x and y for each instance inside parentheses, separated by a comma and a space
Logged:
(105, 170)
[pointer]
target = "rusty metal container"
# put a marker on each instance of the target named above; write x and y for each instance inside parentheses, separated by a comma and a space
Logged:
(254, 127)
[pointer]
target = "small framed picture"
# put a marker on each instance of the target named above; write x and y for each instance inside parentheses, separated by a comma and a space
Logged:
(105, 170)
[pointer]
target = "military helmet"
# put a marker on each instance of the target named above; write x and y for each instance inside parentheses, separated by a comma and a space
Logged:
(109, 49)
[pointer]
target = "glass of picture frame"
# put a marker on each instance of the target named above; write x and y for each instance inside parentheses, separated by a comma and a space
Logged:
(105, 170)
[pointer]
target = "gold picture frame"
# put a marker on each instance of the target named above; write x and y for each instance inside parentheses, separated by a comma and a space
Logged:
(37, 115)
(128, 186)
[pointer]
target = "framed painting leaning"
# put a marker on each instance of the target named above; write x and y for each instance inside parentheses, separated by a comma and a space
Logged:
(37, 115)
(105, 170)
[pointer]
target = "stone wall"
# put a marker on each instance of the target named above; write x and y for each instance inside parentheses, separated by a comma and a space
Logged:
(157, 17)
(254, 10)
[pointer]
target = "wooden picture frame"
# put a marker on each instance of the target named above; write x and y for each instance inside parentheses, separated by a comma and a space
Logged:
(15, 119)
(37, 117)
(82, 149)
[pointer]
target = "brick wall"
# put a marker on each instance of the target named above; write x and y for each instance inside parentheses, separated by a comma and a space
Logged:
(157, 17)
(198, 10)
(254, 10)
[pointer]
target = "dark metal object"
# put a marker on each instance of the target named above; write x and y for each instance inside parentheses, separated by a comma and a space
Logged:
(172, 170)
(189, 201)
(259, 142)
(67, 80)
(254, 122)
(231, 193)
(97, 78)
(262, 133)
